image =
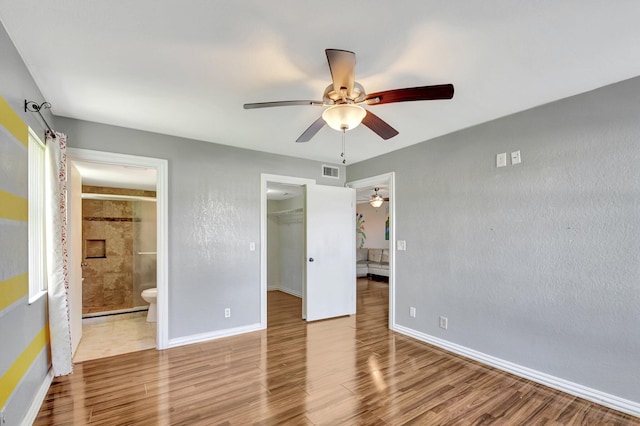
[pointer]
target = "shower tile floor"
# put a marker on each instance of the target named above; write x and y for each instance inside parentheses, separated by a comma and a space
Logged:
(114, 335)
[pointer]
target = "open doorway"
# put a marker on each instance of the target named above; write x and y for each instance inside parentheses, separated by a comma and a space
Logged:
(285, 250)
(119, 191)
(287, 210)
(327, 257)
(375, 234)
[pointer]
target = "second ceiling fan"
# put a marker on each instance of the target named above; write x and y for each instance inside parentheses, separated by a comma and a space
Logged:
(345, 96)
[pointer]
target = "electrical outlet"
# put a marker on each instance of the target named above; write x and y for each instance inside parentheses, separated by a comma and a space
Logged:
(227, 312)
(412, 312)
(443, 322)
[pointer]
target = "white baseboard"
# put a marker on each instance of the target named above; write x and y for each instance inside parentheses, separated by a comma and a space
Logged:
(602, 398)
(286, 290)
(38, 398)
(204, 337)
(291, 292)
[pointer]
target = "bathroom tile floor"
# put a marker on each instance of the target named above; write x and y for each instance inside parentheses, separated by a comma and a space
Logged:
(114, 335)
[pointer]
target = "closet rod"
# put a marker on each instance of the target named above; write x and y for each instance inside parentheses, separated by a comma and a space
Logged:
(32, 106)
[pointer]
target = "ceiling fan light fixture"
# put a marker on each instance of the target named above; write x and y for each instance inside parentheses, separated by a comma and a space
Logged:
(344, 117)
(376, 200)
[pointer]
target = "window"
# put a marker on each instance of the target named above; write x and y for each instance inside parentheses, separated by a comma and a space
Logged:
(37, 243)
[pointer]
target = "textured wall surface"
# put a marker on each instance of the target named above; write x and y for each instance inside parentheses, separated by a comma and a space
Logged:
(214, 213)
(536, 263)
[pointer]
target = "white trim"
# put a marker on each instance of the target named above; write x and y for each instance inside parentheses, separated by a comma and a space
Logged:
(390, 178)
(36, 224)
(264, 179)
(37, 401)
(205, 337)
(162, 202)
(594, 395)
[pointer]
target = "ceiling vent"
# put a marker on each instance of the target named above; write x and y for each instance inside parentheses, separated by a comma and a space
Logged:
(330, 171)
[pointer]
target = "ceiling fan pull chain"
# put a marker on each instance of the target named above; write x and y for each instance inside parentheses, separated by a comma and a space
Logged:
(343, 155)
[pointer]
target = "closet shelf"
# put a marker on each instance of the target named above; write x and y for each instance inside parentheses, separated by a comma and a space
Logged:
(288, 212)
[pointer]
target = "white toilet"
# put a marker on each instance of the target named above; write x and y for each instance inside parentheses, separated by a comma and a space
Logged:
(150, 295)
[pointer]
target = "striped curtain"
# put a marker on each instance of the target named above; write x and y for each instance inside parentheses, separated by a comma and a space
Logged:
(57, 253)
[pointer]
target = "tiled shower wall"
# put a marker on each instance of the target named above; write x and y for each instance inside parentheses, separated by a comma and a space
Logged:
(108, 257)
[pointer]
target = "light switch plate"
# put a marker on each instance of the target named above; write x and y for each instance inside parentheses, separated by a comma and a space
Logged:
(515, 157)
(402, 245)
(444, 322)
(501, 160)
(252, 246)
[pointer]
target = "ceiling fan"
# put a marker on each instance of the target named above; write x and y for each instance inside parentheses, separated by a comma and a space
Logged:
(345, 96)
(376, 199)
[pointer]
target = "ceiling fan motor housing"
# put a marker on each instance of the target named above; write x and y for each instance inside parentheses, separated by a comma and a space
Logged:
(331, 97)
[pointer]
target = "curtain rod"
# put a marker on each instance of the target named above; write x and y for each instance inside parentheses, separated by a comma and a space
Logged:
(32, 106)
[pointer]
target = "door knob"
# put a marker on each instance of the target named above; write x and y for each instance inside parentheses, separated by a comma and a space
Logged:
(311, 259)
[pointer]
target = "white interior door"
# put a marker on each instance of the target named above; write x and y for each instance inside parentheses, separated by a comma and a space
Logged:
(74, 225)
(330, 252)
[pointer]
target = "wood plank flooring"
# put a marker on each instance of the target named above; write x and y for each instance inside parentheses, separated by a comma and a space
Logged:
(344, 371)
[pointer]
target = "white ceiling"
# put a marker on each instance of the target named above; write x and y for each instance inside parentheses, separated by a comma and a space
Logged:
(283, 191)
(116, 176)
(186, 68)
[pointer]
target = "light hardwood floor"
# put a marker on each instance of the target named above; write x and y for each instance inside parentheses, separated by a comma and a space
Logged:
(343, 371)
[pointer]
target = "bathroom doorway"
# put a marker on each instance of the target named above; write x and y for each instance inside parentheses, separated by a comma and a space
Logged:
(118, 249)
(118, 264)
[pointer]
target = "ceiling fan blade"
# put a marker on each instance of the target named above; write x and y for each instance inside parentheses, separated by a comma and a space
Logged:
(423, 93)
(312, 130)
(342, 64)
(379, 126)
(280, 103)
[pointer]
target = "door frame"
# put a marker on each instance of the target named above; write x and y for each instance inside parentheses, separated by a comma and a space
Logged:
(264, 180)
(162, 201)
(390, 179)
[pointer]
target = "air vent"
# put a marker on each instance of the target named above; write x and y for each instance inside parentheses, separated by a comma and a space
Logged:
(329, 171)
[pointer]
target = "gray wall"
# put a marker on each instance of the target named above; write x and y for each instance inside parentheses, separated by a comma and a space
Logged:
(20, 322)
(214, 213)
(536, 263)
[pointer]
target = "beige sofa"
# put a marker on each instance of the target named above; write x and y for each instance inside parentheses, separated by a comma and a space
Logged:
(372, 262)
